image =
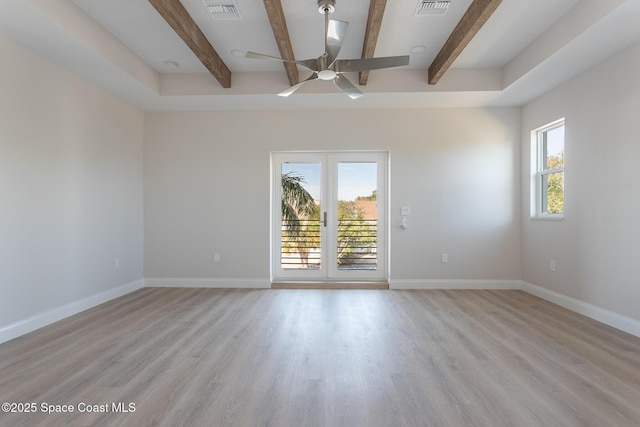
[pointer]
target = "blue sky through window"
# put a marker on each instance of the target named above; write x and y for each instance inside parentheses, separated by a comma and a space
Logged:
(354, 178)
(555, 141)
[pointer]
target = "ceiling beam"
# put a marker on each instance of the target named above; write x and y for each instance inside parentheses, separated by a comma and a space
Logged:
(474, 18)
(281, 34)
(374, 21)
(179, 19)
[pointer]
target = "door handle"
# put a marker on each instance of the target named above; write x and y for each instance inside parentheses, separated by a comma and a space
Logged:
(324, 220)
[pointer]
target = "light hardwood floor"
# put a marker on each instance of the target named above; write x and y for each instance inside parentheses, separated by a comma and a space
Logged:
(206, 357)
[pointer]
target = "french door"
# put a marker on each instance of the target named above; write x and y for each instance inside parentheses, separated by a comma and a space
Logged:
(329, 216)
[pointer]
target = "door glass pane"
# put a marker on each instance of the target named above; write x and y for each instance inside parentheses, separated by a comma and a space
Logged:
(300, 228)
(357, 216)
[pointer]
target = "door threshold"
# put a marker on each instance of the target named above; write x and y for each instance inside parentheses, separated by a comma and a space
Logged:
(306, 284)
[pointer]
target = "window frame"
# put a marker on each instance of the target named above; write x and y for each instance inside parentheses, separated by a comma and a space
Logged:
(539, 171)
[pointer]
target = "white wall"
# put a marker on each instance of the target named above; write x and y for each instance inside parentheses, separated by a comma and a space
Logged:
(597, 245)
(70, 192)
(207, 188)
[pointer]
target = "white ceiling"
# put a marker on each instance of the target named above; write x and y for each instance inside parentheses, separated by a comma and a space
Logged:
(525, 48)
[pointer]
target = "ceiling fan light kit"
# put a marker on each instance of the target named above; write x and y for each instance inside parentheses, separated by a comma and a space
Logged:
(327, 66)
(327, 74)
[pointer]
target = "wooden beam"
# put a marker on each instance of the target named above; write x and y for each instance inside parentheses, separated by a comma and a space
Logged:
(179, 19)
(281, 34)
(474, 18)
(374, 21)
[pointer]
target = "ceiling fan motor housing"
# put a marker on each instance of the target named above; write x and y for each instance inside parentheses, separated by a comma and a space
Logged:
(326, 6)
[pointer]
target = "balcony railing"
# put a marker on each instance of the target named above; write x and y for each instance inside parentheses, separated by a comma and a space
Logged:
(356, 246)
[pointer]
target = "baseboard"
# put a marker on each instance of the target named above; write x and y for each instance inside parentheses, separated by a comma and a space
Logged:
(618, 321)
(453, 284)
(159, 282)
(40, 320)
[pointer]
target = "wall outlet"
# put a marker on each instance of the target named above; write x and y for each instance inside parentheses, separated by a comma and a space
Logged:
(552, 265)
(405, 210)
(216, 257)
(445, 257)
(116, 263)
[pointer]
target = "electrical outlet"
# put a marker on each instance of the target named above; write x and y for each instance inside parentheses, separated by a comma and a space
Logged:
(405, 210)
(552, 265)
(116, 263)
(216, 256)
(445, 257)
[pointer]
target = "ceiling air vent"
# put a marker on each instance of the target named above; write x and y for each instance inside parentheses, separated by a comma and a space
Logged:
(222, 9)
(432, 7)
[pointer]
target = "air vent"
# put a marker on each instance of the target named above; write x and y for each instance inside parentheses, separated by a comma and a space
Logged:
(432, 7)
(222, 9)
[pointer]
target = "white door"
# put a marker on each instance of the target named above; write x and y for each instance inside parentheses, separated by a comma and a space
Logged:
(329, 219)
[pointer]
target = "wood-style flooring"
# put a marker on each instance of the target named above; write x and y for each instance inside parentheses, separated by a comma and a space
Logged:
(212, 357)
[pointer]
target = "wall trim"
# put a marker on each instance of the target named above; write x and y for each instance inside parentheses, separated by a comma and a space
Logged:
(618, 321)
(453, 284)
(48, 317)
(177, 282)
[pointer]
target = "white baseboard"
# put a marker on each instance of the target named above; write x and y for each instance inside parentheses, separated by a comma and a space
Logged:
(618, 321)
(159, 282)
(454, 284)
(39, 320)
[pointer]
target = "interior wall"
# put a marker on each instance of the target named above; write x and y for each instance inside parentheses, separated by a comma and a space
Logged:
(596, 246)
(70, 186)
(207, 183)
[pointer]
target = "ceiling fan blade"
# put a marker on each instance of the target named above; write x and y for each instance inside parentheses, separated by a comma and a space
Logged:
(311, 64)
(366, 64)
(347, 87)
(335, 35)
(293, 88)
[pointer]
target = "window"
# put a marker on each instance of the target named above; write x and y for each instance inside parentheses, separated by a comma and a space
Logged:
(548, 171)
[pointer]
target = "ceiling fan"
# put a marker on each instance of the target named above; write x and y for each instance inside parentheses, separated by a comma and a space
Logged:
(327, 66)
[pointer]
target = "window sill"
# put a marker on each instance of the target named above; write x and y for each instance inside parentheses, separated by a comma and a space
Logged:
(548, 217)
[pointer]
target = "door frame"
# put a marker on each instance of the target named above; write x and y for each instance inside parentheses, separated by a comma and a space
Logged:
(328, 272)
